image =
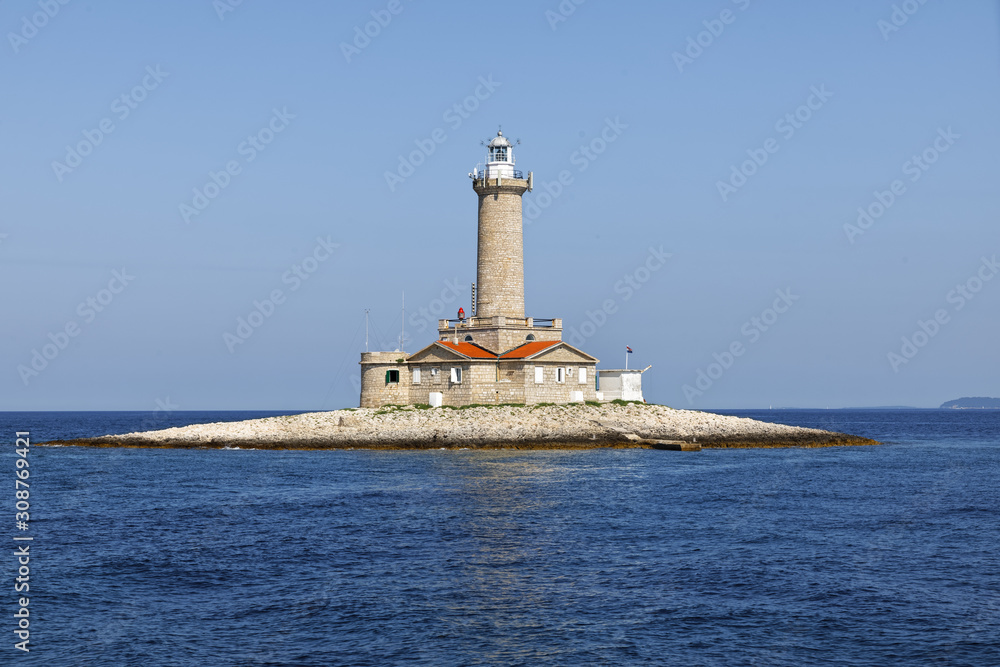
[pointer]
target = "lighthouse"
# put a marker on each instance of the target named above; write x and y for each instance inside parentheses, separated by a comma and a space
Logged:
(500, 260)
(496, 354)
(498, 320)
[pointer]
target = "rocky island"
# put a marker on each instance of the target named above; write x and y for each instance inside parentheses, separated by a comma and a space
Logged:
(570, 426)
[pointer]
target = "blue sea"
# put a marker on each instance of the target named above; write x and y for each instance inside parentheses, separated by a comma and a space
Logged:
(881, 555)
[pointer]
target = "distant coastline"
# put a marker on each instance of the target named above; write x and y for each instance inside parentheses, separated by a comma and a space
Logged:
(973, 403)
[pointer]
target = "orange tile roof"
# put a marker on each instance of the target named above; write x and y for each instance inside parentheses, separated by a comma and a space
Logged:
(522, 352)
(529, 349)
(468, 349)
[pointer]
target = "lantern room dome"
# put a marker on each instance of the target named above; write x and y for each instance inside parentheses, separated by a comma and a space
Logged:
(498, 141)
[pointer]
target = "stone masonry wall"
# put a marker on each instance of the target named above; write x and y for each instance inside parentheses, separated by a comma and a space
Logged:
(551, 391)
(500, 266)
(480, 384)
(375, 392)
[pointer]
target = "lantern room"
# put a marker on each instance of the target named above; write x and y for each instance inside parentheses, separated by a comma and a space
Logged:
(499, 159)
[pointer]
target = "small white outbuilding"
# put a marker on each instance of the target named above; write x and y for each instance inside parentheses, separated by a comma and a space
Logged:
(621, 383)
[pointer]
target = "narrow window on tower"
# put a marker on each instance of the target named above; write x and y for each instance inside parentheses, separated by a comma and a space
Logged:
(560, 374)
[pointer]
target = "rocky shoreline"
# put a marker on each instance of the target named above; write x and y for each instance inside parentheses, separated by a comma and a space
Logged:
(574, 426)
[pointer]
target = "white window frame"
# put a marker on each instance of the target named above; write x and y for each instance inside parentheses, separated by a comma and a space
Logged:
(583, 375)
(539, 375)
(456, 375)
(416, 375)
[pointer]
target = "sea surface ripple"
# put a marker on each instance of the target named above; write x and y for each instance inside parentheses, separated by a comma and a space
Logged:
(852, 556)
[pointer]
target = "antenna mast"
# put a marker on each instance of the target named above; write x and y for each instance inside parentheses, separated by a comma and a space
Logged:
(402, 325)
(366, 329)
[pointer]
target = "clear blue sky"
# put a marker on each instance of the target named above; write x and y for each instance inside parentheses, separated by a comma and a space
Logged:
(196, 86)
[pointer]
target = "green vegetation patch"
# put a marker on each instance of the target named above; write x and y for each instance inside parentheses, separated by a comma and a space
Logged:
(388, 409)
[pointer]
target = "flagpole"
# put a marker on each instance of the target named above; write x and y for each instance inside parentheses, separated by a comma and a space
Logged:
(626, 357)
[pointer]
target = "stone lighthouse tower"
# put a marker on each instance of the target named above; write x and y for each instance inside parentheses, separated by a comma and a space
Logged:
(500, 266)
(497, 354)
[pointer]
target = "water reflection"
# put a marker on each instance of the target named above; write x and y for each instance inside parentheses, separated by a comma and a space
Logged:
(505, 544)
